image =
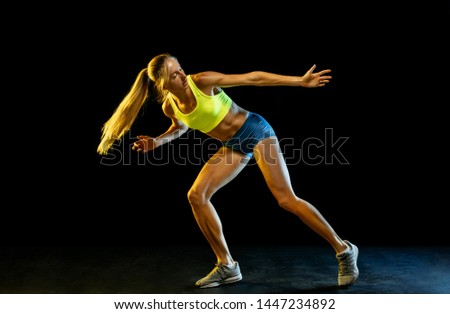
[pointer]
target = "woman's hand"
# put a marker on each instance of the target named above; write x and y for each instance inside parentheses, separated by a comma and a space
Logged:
(144, 144)
(318, 79)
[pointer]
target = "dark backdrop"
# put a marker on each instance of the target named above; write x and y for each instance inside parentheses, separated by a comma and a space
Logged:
(384, 105)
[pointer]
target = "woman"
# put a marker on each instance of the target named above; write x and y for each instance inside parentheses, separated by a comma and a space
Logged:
(198, 101)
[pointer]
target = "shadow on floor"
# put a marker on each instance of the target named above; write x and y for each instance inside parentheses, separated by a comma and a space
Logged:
(174, 270)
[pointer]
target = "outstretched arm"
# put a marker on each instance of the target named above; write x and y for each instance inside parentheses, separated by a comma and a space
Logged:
(260, 78)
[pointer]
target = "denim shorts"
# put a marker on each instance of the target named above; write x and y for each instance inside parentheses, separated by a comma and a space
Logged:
(254, 129)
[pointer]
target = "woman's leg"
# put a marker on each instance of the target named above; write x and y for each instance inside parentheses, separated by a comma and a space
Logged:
(220, 169)
(273, 166)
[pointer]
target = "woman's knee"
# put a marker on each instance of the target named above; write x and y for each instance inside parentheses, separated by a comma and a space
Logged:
(288, 202)
(197, 196)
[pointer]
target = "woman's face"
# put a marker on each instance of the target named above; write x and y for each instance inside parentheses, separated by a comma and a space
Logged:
(176, 77)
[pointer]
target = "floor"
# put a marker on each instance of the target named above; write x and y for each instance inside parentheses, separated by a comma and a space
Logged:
(174, 269)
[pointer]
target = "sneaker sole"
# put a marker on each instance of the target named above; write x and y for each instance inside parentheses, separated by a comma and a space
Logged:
(226, 281)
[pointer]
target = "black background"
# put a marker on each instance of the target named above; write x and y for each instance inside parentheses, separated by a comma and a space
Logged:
(387, 96)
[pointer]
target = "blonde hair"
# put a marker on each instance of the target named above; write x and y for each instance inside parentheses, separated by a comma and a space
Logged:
(128, 109)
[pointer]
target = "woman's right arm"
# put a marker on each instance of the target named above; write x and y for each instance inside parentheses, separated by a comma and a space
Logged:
(176, 129)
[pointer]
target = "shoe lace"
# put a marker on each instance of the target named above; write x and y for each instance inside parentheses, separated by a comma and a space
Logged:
(219, 269)
(345, 267)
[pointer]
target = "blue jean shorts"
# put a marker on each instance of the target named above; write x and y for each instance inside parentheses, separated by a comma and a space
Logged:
(254, 129)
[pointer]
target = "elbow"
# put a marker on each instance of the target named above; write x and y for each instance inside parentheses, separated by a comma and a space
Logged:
(255, 77)
(183, 129)
(258, 78)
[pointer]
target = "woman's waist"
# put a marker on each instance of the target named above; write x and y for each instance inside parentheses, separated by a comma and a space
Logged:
(229, 125)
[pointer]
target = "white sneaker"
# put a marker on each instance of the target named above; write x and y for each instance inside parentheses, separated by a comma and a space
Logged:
(348, 269)
(220, 275)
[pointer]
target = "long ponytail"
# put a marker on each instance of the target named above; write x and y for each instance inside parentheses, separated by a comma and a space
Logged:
(125, 114)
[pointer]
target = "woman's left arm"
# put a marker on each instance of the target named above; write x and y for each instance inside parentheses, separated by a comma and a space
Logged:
(260, 78)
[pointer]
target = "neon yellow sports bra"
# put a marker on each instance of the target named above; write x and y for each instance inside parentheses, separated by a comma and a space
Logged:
(208, 113)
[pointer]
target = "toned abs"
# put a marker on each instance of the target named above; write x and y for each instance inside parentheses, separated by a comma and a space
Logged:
(232, 122)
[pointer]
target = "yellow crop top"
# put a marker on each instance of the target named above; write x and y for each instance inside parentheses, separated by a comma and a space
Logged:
(209, 111)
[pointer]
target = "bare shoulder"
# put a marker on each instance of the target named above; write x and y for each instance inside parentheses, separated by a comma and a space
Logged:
(167, 108)
(207, 79)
